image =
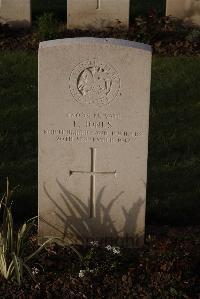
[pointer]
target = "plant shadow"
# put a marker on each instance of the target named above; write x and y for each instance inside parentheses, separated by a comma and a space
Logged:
(79, 228)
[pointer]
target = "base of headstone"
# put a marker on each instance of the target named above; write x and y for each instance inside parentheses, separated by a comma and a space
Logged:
(98, 14)
(186, 10)
(15, 13)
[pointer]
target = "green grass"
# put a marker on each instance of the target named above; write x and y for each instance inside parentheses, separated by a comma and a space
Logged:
(173, 193)
(18, 126)
(174, 146)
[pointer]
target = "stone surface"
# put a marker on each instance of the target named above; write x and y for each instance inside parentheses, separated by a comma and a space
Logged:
(97, 14)
(15, 13)
(187, 10)
(93, 139)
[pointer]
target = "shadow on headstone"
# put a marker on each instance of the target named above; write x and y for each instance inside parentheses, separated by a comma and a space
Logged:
(78, 227)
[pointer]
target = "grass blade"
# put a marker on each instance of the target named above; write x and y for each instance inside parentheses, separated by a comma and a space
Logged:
(17, 268)
(28, 269)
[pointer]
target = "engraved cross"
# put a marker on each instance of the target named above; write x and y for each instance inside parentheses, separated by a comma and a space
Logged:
(93, 174)
(98, 4)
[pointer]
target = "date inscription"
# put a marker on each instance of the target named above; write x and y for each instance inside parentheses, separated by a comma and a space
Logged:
(93, 128)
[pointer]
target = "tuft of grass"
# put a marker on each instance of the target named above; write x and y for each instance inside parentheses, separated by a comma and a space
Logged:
(174, 139)
(14, 260)
(16, 251)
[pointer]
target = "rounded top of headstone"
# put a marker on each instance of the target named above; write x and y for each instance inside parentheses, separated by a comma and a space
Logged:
(92, 40)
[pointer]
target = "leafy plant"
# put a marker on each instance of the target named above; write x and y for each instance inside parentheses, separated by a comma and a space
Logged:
(193, 35)
(13, 245)
(47, 27)
(101, 259)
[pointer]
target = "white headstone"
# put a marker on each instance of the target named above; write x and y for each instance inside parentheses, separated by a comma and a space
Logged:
(187, 10)
(93, 139)
(97, 14)
(15, 13)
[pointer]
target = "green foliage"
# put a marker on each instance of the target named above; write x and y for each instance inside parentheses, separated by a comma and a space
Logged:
(193, 35)
(47, 27)
(13, 258)
(58, 7)
(99, 260)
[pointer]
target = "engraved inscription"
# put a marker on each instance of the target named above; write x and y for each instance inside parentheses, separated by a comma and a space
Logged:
(94, 82)
(97, 115)
(95, 127)
(93, 174)
(94, 136)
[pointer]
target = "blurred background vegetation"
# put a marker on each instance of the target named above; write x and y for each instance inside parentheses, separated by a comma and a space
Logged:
(59, 7)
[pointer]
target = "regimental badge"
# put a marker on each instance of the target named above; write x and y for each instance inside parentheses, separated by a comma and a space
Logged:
(94, 82)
